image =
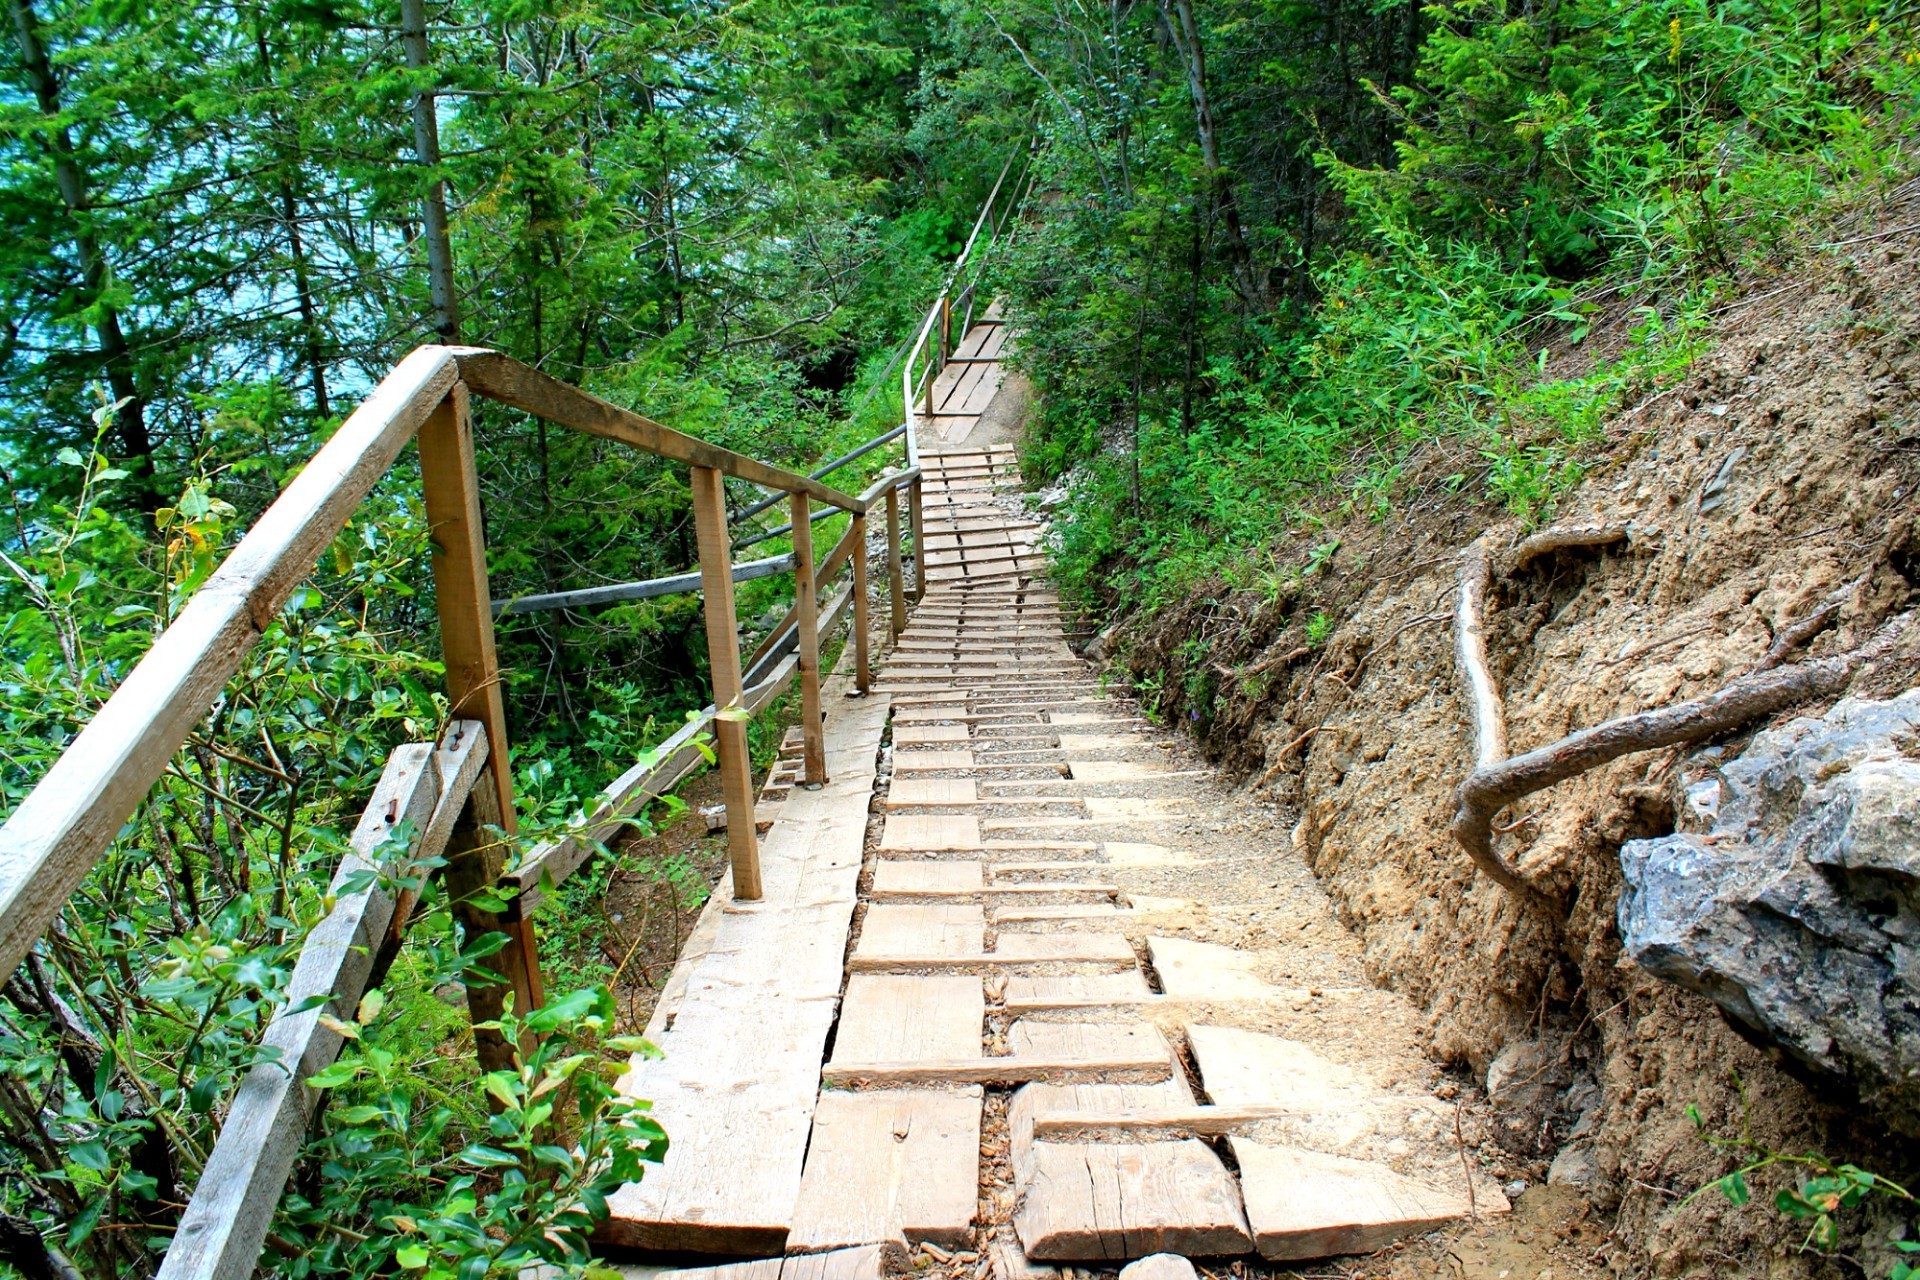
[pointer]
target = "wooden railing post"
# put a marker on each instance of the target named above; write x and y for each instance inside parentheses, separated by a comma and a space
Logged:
(919, 523)
(452, 492)
(723, 655)
(806, 607)
(862, 661)
(896, 581)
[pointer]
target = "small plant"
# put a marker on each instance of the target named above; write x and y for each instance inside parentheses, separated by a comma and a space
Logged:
(1319, 627)
(1823, 1189)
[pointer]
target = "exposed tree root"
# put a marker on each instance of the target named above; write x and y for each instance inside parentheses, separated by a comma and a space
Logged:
(1497, 780)
(1562, 539)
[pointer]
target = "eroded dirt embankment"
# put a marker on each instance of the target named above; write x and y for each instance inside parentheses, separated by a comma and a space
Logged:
(1804, 411)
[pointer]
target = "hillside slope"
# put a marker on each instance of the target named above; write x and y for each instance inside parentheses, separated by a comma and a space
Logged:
(1339, 694)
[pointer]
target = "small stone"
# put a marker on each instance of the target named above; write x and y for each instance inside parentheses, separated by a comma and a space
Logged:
(935, 1252)
(1159, 1266)
(1514, 1188)
(1574, 1167)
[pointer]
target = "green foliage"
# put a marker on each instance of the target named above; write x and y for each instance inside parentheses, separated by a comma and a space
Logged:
(1822, 1189)
(1429, 236)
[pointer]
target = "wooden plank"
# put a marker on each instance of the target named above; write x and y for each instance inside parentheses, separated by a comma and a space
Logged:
(908, 761)
(911, 832)
(723, 660)
(1066, 990)
(1105, 947)
(932, 791)
(862, 624)
(890, 1165)
(1092, 1125)
(920, 732)
(896, 588)
(1075, 1099)
(451, 488)
(1206, 970)
(60, 830)
(1005, 1071)
(910, 1018)
(740, 1079)
(807, 618)
(1140, 1042)
(1303, 1204)
(916, 932)
(501, 377)
(864, 1263)
(1246, 1068)
(1112, 1201)
(226, 1220)
(898, 878)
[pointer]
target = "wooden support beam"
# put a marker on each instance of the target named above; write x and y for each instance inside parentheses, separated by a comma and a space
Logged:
(919, 540)
(723, 656)
(452, 492)
(896, 581)
(862, 660)
(813, 733)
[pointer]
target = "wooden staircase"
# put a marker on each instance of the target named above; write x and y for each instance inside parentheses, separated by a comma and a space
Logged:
(955, 1024)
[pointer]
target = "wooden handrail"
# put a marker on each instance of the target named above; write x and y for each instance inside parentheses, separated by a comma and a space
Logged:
(521, 386)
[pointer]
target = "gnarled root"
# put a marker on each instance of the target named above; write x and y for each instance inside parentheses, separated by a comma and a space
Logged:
(1497, 781)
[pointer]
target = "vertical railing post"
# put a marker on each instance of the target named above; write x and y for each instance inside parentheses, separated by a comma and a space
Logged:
(862, 660)
(896, 581)
(918, 521)
(806, 605)
(723, 656)
(946, 328)
(474, 858)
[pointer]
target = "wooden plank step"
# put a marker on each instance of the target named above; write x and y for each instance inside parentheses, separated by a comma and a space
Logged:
(932, 791)
(1113, 1201)
(893, 877)
(929, 831)
(916, 933)
(1303, 1204)
(1208, 971)
(894, 1165)
(1012, 1069)
(910, 1018)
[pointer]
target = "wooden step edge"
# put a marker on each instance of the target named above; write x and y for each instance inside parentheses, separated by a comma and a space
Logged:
(1008, 1070)
(1174, 1122)
(983, 960)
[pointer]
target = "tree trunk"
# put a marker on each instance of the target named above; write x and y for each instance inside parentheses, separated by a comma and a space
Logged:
(131, 421)
(426, 149)
(1186, 39)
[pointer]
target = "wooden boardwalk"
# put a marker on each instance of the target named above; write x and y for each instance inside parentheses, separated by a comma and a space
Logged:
(831, 1051)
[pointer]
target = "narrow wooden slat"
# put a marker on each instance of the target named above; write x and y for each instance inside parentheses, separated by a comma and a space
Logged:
(723, 656)
(862, 624)
(66, 822)
(813, 733)
(501, 377)
(896, 583)
(1013, 1069)
(226, 1220)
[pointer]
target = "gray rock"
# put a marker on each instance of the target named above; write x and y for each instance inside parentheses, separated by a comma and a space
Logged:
(1158, 1266)
(1797, 910)
(1100, 648)
(1575, 1166)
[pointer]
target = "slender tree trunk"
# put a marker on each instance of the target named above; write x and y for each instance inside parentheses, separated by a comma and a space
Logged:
(426, 150)
(1186, 38)
(310, 338)
(131, 421)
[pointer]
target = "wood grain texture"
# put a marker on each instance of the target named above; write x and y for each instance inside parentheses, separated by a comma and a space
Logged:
(1302, 1204)
(893, 1165)
(723, 660)
(910, 1017)
(806, 610)
(60, 830)
(1105, 1201)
